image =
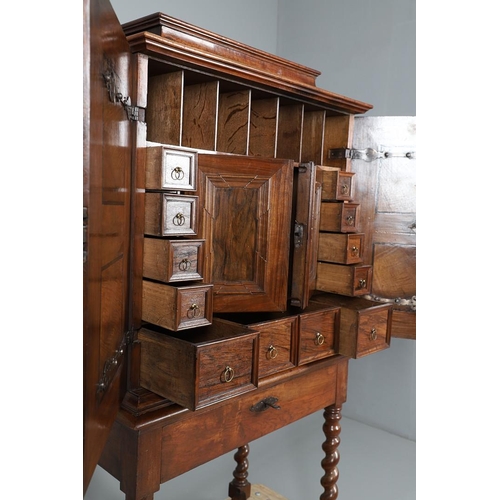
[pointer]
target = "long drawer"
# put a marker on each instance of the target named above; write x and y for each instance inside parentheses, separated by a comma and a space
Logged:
(197, 437)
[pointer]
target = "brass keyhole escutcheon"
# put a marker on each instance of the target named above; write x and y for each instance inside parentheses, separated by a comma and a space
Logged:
(345, 188)
(179, 219)
(350, 220)
(272, 352)
(184, 264)
(320, 339)
(355, 251)
(227, 374)
(177, 174)
(194, 311)
(373, 334)
(362, 283)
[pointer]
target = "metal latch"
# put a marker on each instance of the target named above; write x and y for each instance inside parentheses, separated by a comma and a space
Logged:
(298, 234)
(368, 154)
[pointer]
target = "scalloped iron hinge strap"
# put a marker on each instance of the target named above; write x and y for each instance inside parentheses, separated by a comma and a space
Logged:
(111, 364)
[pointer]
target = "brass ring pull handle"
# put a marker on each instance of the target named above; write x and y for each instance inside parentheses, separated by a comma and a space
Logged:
(177, 174)
(345, 188)
(362, 283)
(319, 340)
(179, 219)
(184, 264)
(194, 311)
(227, 374)
(350, 220)
(272, 352)
(355, 251)
(373, 334)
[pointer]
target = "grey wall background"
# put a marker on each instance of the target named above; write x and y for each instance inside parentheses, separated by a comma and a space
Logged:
(365, 49)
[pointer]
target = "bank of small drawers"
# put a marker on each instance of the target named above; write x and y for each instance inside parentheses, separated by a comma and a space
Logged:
(210, 364)
(365, 325)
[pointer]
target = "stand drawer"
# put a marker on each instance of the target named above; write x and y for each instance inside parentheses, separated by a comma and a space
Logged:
(339, 217)
(337, 185)
(341, 248)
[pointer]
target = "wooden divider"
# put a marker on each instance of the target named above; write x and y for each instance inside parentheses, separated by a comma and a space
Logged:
(263, 127)
(233, 122)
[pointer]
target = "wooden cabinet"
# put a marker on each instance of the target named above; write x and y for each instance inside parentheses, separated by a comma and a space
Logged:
(209, 237)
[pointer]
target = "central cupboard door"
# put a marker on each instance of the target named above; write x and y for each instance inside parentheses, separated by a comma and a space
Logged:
(246, 205)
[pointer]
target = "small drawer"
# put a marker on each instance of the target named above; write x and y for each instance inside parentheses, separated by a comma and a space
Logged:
(365, 325)
(341, 248)
(173, 260)
(336, 185)
(339, 217)
(277, 333)
(176, 307)
(171, 169)
(210, 365)
(344, 280)
(318, 333)
(170, 215)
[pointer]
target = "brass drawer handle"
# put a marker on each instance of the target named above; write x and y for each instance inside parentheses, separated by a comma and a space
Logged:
(345, 188)
(373, 334)
(362, 283)
(272, 352)
(269, 402)
(194, 311)
(354, 251)
(177, 174)
(227, 374)
(350, 220)
(184, 264)
(320, 339)
(179, 219)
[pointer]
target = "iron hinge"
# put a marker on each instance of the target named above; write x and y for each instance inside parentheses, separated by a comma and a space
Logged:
(112, 363)
(368, 154)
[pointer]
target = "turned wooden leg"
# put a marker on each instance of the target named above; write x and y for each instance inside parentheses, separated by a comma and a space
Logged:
(239, 487)
(331, 428)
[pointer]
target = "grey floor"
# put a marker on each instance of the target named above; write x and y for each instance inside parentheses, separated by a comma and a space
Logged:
(374, 465)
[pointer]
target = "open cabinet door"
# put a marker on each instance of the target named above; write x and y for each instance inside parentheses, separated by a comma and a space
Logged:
(384, 161)
(107, 167)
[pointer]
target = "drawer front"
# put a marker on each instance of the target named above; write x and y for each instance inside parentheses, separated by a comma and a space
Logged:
(187, 260)
(225, 369)
(362, 280)
(172, 261)
(317, 335)
(194, 307)
(349, 222)
(345, 186)
(373, 331)
(233, 423)
(277, 340)
(171, 169)
(179, 215)
(178, 170)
